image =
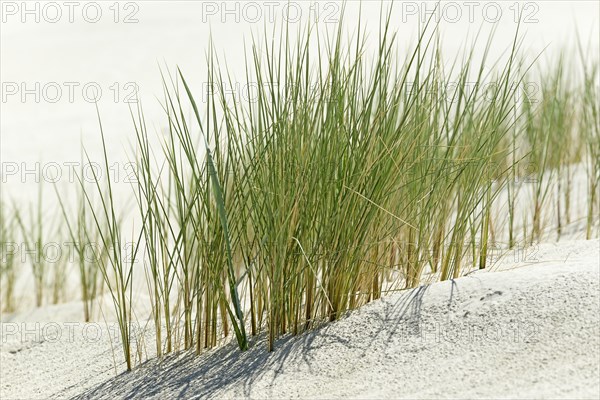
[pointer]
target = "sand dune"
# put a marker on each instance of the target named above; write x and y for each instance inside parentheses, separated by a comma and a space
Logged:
(529, 329)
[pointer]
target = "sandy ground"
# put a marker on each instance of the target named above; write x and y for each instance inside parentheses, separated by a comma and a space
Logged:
(528, 329)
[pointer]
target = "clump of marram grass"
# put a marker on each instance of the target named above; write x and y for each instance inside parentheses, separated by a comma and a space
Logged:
(342, 178)
(8, 258)
(301, 202)
(83, 236)
(30, 239)
(550, 134)
(116, 266)
(58, 262)
(589, 127)
(33, 232)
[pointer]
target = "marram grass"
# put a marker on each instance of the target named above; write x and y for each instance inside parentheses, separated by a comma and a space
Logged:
(346, 176)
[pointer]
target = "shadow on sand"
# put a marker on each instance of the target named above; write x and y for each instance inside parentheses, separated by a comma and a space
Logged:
(186, 375)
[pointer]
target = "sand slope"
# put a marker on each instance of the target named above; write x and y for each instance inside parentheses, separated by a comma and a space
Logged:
(529, 329)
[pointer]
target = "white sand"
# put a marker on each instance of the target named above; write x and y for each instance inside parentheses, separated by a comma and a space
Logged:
(530, 329)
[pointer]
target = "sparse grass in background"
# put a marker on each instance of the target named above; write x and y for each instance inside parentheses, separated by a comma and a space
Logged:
(589, 128)
(9, 261)
(58, 261)
(88, 255)
(33, 235)
(549, 129)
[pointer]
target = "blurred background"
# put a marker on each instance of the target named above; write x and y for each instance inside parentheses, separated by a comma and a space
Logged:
(57, 58)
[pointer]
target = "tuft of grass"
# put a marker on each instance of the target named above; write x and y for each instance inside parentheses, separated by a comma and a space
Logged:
(550, 134)
(117, 266)
(589, 127)
(80, 229)
(8, 258)
(303, 201)
(34, 239)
